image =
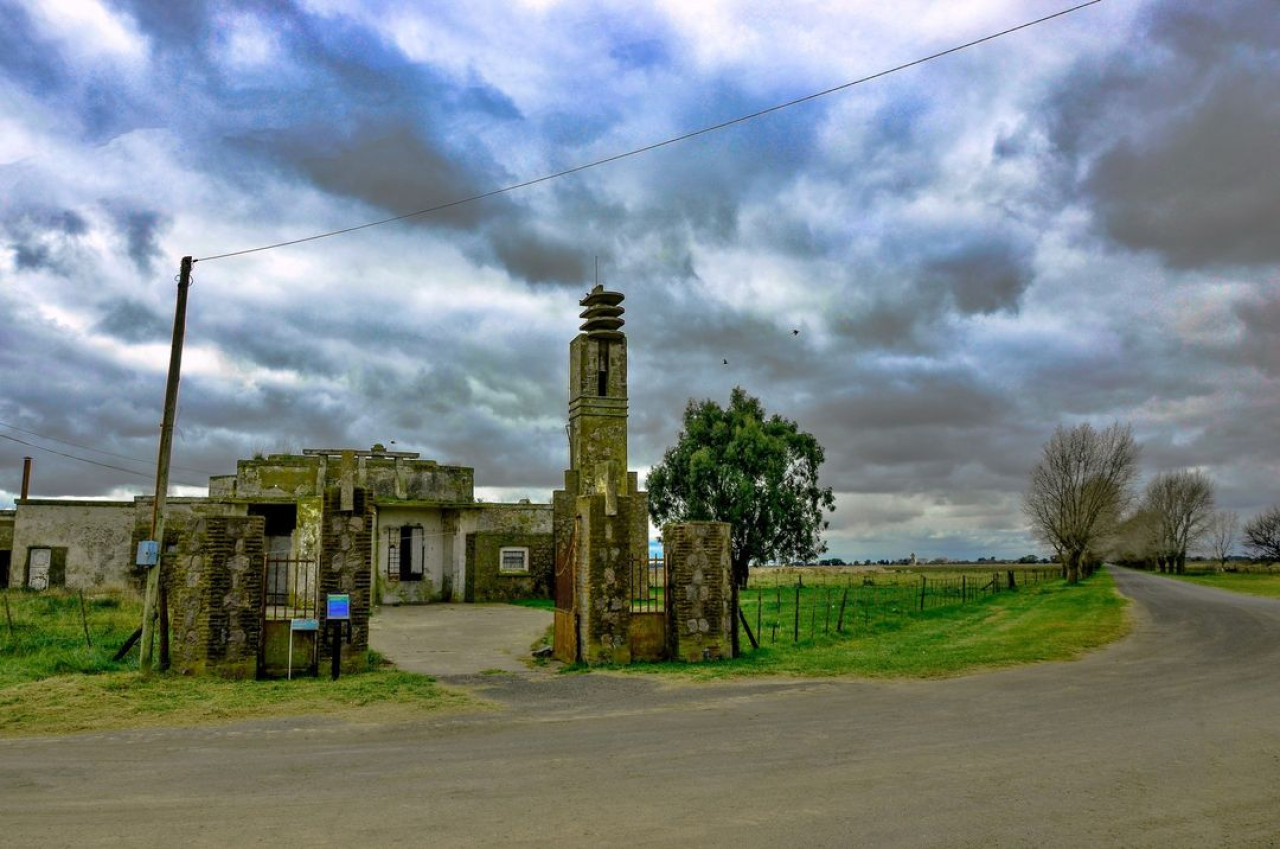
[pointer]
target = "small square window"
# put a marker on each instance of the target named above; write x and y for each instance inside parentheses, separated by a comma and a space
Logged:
(513, 560)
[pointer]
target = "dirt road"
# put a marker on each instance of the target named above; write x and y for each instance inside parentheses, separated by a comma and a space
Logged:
(1170, 738)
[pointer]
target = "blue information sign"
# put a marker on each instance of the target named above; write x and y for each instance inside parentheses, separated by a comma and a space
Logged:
(339, 606)
(304, 625)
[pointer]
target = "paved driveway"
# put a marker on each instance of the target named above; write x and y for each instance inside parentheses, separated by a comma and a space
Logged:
(1168, 739)
(448, 640)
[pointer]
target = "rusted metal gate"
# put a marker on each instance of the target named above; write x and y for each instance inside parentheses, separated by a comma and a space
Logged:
(649, 594)
(565, 645)
(289, 595)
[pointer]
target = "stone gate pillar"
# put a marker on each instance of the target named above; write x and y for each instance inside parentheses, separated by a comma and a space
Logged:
(699, 591)
(216, 597)
(346, 566)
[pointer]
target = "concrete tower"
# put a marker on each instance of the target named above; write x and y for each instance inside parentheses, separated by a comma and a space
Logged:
(601, 517)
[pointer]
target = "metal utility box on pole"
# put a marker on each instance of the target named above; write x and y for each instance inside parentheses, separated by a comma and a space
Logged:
(162, 464)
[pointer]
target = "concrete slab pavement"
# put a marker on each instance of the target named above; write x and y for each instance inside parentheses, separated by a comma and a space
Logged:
(448, 640)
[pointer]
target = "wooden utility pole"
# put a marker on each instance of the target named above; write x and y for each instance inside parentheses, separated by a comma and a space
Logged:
(162, 465)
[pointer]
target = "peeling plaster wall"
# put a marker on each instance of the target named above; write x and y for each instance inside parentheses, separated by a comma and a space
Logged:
(96, 536)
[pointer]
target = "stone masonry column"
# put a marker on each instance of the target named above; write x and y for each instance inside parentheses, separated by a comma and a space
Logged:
(699, 591)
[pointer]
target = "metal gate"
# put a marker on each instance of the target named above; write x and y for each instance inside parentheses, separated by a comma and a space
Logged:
(565, 646)
(289, 607)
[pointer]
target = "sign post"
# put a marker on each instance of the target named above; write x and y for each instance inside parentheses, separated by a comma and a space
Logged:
(337, 619)
(299, 625)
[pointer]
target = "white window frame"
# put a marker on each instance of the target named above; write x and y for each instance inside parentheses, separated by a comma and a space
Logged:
(522, 550)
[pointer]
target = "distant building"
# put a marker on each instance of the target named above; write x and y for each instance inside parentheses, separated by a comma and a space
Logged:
(431, 540)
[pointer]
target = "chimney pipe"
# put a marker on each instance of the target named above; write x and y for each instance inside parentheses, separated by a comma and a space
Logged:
(26, 477)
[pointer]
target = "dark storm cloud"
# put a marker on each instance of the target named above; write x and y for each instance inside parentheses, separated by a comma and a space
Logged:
(939, 272)
(132, 321)
(1183, 141)
(982, 276)
(141, 229)
(540, 259)
(41, 237)
(1261, 345)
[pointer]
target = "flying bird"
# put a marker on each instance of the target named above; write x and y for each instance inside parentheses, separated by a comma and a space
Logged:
(726, 362)
(795, 332)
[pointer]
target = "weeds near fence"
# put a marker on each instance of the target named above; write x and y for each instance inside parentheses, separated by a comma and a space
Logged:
(59, 632)
(1043, 620)
(794, 605)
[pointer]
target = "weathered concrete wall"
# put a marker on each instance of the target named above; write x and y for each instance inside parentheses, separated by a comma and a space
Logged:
(416, 480)
(487, 582)
(490, 528)
(699, 609)
(94, 537)
(6, 529)
(277, 476)
(215, 597)
(290, 476)
(346, 560)
(435, 552)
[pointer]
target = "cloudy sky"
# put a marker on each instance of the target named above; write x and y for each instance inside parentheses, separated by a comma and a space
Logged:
(1077, 222)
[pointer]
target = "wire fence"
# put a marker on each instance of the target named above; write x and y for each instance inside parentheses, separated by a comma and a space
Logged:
(790, 606)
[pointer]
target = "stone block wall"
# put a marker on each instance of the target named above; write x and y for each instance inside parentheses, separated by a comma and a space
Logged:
(699, 602)
(215, 597)
(605, 555)
(346, 546)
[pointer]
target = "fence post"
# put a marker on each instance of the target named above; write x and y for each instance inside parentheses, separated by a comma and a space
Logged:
(795, 636)
(964, 590)
(840, 619)
(923, 583)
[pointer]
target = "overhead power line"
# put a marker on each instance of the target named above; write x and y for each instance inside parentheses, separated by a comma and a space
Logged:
(86, 459)
(99, 450)
(656, 145)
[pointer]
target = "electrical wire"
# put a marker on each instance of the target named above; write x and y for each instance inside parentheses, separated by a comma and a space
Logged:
(100, 451)
(87, 460)
(656, 145)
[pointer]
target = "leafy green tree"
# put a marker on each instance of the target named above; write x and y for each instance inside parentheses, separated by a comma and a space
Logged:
(758, 474)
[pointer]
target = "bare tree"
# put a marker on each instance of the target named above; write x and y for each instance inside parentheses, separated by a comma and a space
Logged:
(1133, 542)
(1079, 489)
(1182, 504)
(1262, 534)
(1221, 536)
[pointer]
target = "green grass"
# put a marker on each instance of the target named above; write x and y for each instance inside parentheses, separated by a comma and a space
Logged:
(1253, 583)
(1046, 622)
(538, 603)
(52, 683)
(47, 636)
(71, 703)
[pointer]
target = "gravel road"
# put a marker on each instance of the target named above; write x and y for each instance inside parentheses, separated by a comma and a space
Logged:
(1170, 738)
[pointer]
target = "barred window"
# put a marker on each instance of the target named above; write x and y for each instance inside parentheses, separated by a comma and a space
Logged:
(513, 560)
(404, 553)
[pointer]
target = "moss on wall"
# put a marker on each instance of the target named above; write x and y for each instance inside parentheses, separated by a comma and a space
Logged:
(486, 581)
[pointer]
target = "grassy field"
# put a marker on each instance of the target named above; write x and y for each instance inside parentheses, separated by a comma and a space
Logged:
(1040, 622)
(52, 682)
(1254, 583)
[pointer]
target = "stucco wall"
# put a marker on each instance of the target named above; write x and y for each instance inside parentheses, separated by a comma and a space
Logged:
(97, 536)
(497, 526)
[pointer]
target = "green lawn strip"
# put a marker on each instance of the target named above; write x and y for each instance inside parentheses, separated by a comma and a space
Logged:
(1265, 584)
(538, 603)
(52, 683)
(47, 636)
(72, 703)
(1048, 622)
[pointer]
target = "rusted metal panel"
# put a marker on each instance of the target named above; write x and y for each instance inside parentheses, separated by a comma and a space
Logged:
(565, 643)
(648, 636)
